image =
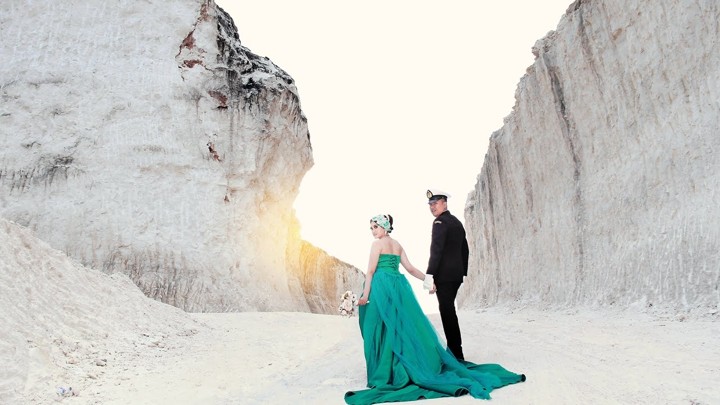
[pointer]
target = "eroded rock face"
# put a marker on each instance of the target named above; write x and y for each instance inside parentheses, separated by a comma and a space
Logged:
(145, 139)
(601, 186)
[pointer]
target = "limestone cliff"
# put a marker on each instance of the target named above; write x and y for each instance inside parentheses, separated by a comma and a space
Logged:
(601, 188)
(143, 138)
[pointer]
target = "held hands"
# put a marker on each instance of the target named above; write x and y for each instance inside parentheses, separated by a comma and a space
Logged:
(429, 284)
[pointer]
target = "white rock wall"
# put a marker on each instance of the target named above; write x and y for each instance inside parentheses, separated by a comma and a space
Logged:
(601, 188)
(143, 138)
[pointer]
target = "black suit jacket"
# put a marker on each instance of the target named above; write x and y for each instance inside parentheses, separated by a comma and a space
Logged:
(448, 250)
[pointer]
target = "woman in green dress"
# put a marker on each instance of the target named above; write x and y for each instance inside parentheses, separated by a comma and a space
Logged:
(405, 358)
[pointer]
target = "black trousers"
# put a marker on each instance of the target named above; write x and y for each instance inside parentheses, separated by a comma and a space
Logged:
(446, 293)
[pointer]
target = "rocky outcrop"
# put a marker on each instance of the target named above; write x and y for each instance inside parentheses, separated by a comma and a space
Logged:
(601, 187)
(145, 139)
(322, 276)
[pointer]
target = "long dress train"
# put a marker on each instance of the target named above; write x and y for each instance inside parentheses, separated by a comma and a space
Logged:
(405, 358)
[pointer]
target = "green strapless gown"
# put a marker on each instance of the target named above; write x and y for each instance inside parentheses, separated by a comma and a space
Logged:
(405, 358)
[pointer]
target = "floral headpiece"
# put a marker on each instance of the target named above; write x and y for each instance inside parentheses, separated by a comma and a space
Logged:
(383, 221)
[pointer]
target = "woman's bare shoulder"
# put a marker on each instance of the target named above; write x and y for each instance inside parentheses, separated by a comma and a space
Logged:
(397, 248)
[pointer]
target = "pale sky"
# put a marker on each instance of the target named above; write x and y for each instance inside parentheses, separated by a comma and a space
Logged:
(400, 96)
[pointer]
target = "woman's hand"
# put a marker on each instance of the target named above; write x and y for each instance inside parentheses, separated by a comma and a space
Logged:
(363, 301)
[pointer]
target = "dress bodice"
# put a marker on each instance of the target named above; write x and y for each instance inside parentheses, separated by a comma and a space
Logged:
(389, 263)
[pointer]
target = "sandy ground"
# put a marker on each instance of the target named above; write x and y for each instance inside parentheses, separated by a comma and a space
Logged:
(570, 358)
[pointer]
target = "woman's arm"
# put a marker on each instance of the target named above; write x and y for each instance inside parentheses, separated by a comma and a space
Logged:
(372, 265)
(409, 267)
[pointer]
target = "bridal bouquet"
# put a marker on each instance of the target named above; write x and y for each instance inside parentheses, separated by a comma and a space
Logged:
(348, 302)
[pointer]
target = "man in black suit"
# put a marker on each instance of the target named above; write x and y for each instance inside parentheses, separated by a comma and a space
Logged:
(448, 265)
